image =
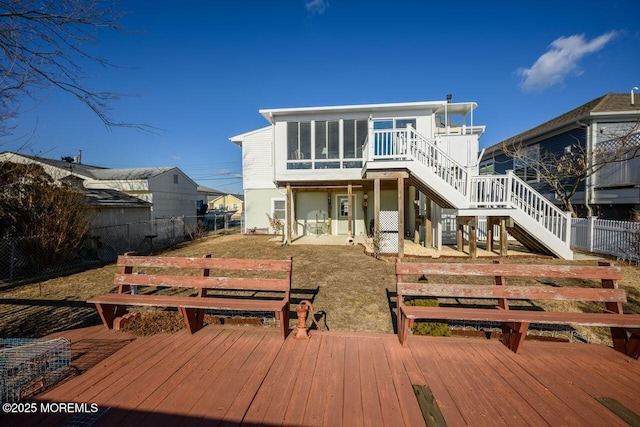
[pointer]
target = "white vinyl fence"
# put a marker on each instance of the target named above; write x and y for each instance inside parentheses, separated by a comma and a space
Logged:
(617, 238)
(620, 239)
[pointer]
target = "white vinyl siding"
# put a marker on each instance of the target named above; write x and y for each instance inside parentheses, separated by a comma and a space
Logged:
(257, 165)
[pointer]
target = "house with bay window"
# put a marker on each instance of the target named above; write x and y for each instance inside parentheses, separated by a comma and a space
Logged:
(389, 170)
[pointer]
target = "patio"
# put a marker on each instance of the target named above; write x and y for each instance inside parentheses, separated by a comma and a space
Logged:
(247, 375)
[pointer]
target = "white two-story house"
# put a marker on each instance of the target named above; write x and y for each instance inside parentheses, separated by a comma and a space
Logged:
(387, 170)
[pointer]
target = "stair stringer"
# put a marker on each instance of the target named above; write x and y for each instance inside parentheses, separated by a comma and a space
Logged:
(534, 235)
(439, 190)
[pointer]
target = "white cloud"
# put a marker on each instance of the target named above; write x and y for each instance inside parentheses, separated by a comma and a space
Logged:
(316, 6)
(561, 60)
(223, 172)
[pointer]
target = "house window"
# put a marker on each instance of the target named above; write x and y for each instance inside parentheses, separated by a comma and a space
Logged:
(299, 145)
(526, 165)
(175, 178)
(220, 206)
(278, 213)
(327, 144)
(487, 168)
(402, 123)
(354, 135)
(235, 206)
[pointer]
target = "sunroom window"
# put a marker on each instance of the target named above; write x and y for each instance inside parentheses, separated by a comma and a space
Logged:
(354, 135)
(327, 144)
(299, 145)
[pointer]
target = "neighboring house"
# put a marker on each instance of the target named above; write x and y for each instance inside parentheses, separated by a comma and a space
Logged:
(612, 193)
(206, 195)
(168, 190)
(112, 207)
(230, 203)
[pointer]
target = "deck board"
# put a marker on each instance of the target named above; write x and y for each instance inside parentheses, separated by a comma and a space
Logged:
(409, 407)
(166, 376)
(248, 375)
(504, 376)
(372, 413)
(334, 392)
(278, 382)
(353, 416)
(563, 384)
(294, 414)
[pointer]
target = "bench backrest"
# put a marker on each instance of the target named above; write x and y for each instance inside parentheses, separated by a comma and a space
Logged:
(599, 272)
(204, 266)
(608, 274)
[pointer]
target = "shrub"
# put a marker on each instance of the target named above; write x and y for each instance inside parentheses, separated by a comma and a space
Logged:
(433, 329)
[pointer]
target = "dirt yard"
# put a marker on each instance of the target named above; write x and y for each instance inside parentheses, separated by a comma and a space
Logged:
(350, 288)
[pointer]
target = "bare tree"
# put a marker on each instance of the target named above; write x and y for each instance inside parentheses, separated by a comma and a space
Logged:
(53, 216)
(44, 44)
(565, 172)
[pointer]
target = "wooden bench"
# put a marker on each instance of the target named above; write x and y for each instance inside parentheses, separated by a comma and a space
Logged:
(250, 293)
(515, 320)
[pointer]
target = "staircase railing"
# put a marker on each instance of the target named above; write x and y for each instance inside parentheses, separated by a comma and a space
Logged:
(509, 191)
(483, 191)
(407, 144)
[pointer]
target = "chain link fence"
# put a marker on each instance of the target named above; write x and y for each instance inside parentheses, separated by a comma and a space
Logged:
(21, 259)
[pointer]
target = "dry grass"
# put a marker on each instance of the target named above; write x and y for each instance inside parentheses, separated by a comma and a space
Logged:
(349, 288)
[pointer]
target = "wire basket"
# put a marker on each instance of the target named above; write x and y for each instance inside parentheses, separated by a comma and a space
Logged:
(28, 366)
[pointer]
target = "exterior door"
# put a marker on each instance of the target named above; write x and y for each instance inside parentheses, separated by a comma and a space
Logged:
(342, 214)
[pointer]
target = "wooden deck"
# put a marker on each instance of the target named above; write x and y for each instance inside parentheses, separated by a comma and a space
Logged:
(247, 375)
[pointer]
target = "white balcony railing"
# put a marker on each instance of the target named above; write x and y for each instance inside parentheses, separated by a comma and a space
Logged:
(408, 145)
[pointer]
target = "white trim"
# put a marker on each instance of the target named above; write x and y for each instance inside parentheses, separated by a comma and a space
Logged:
(237, 139)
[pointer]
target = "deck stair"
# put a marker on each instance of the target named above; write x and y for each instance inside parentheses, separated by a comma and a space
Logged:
(537, 223)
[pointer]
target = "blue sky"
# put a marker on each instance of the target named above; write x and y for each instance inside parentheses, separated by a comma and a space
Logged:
(200, 71)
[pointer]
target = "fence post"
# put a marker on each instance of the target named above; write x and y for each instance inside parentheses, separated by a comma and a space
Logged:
(567, 242)
(128, 237)
(591, 222)
(12, 259)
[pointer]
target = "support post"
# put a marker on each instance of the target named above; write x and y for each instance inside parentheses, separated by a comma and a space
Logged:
(376, 213)
(504, 246)
(329, 210)
(294, 215)
(417, 222)
(490, 221)
(288, 215)
(428, 224)
(472, 223)
(473, 238)
(400, 217)
(350, 209)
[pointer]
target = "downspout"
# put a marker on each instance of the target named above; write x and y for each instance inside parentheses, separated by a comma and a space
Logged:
(588, 184)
